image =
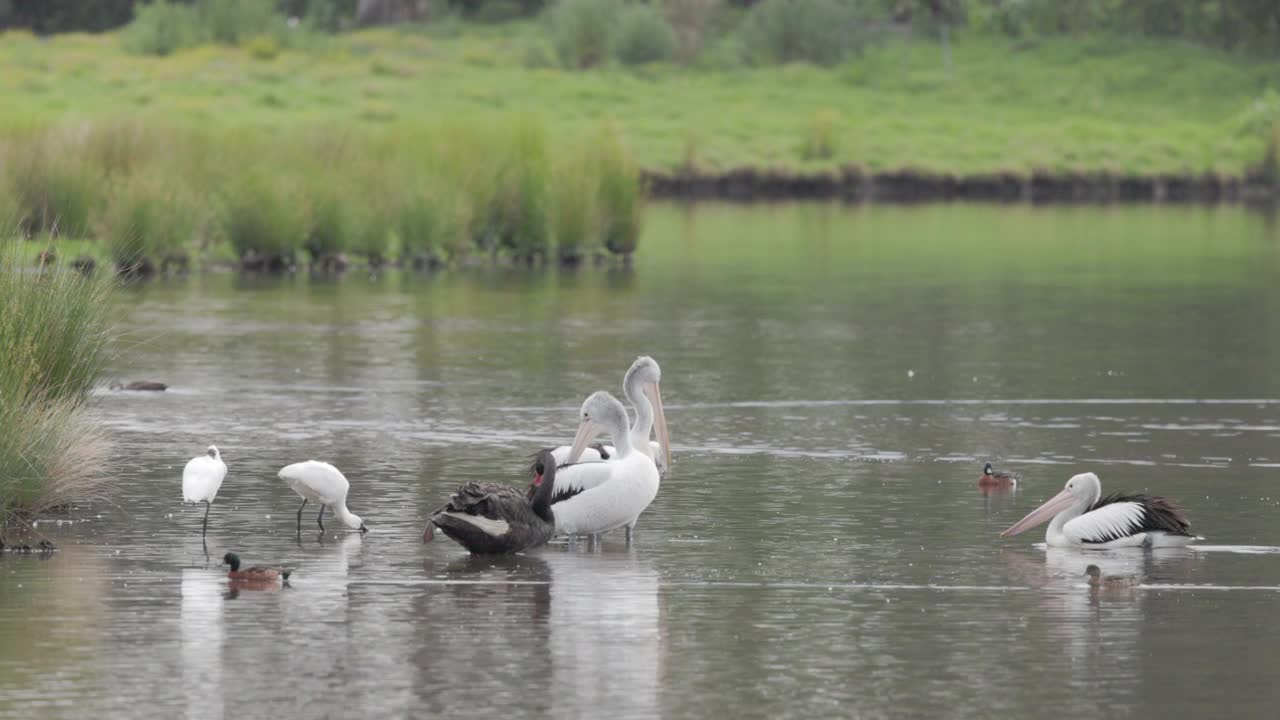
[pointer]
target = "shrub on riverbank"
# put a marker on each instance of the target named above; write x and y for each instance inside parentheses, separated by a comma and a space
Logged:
(53, 336)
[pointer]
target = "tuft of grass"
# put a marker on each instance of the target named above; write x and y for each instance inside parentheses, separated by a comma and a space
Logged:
(821, 32)
(575, 219)
(643, 36)
(161, 27)
(260, 217)
(820, 141)
(620, 193)
(232, 22)
(581, 30)
(53, 335)
(148, 222)
(52, 185)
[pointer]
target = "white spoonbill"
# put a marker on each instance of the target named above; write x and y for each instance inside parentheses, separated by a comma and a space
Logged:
(322, 483)
(640, 385)
(201, 479)
(1082, 518)
(595, 497)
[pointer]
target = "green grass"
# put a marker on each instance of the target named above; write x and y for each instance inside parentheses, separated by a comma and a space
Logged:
(1097, 103)
(53, 336)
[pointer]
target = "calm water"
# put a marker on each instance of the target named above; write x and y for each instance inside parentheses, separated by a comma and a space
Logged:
(834, 379)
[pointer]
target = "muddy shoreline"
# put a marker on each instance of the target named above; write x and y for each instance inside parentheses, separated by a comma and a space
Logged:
(909, 186)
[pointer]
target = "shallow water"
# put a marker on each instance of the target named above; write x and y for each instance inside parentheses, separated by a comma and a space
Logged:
(834, 380)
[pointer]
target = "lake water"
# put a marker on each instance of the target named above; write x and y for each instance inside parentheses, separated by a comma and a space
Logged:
(834, 380)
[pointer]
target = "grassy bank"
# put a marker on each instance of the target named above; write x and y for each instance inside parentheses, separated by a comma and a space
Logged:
(423, 143)
(53, 334)
(1066, 103)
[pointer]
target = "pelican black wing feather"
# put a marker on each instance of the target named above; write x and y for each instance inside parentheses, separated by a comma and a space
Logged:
(1158, 515)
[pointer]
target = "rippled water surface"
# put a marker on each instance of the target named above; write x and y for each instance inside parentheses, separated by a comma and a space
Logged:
(834, 380)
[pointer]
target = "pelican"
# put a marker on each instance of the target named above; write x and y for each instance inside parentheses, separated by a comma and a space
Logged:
(640, 385)
(323, 483)
(596, 497)
(1081, 519)
(495, 518)
(997, 479)
(201, 479)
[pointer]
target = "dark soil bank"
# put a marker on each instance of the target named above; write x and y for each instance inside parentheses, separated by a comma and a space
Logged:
(915, 186)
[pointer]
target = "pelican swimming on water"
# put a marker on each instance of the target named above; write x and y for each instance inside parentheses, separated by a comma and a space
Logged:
(595, 497)
(495, 518)
(322, 483)
(640, 385)
(201, 479)
(1082, 518)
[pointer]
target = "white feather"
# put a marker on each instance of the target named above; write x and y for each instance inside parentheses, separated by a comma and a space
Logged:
(1107, 523)
(202, 477)
(322, 483)
(495, 528)
(615, 495)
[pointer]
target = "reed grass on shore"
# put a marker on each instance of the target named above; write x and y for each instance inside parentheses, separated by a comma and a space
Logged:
(53, 336)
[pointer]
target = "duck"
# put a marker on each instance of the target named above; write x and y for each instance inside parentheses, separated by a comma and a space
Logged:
(993, 479)
(141, 385)
(1096, 580)
(498, 519)
(255, 574)
(325, 484)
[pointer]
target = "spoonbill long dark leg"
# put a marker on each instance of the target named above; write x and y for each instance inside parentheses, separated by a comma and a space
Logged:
(204, 529)
(320, 518)
(300, 507)
(629, 529)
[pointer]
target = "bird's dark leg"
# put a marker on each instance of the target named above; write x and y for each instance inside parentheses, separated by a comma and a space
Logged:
(204, 529)
(320, 518)
(629, 528)
(304, 504)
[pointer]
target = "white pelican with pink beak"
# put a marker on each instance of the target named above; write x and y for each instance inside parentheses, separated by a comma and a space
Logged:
(595, 497)
(1082, 518)
(641, 386)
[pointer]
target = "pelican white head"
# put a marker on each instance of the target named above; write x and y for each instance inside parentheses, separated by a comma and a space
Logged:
(601, 413)
(640, 384)
(1081, 491)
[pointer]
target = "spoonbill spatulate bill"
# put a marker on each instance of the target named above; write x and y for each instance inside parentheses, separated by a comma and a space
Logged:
(322, 483)
(1082, 518)
(496, 518)
(201, 478)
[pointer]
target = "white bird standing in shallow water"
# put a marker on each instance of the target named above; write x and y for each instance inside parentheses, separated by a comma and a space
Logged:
(596, 497)
(201, 479)
(1082, 518)
(321, 482)
(640, 385)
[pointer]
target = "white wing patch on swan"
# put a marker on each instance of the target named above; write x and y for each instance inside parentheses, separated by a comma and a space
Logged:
(1109, 522)
(495, 528)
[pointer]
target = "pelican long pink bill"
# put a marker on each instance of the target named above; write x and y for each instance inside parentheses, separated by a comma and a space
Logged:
(1042, 514)
(587, 431)
(660, 421)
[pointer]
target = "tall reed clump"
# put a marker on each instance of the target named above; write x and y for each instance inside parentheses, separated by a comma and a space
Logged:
(148, 223)
(53, 186)
(262, 219)
(53, 335)
(822, 32)
(620, 193)
(574, 216)
(161, 27)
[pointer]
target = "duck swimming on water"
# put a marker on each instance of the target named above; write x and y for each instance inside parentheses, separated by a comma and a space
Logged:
(1096, 580)
(993, 479)
(500, 519)
(255, 574)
